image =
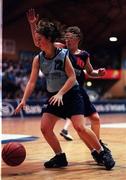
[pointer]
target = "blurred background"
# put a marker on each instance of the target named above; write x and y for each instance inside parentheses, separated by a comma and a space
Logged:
(99, 21)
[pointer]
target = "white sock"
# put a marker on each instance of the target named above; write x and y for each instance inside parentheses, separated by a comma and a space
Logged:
(93, 150)
(101, 149)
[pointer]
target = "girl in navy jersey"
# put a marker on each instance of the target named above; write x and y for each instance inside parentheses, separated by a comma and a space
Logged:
(65, 101)
(81, 61)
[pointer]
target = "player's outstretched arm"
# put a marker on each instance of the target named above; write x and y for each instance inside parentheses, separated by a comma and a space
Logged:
(30, 85)
(33, 18)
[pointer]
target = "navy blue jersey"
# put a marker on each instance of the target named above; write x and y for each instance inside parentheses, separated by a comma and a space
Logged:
(79, 62)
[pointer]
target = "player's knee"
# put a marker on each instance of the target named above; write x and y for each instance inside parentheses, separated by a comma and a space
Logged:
(80, 128)
(95, 119)
(44, 129)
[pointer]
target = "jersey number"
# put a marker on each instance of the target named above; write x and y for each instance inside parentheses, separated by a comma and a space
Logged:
(58, 65)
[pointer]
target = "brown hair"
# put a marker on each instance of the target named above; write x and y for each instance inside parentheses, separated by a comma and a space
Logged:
(48, 29)
(75, 30)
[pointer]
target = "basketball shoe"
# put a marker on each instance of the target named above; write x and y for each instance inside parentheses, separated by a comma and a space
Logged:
(107, 159)
(95, 154)
(65, 134)
(96, 157)
(57, 161)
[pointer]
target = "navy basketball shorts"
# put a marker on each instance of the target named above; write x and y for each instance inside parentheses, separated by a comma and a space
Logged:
(72, 104)
(89, 108)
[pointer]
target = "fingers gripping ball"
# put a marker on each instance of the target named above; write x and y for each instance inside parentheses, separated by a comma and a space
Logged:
(13, 153)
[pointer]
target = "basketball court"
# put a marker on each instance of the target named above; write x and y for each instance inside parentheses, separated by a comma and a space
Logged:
(104, 18)
(81, 165)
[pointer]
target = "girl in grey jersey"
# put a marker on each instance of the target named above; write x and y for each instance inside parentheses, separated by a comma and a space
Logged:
(65, 97)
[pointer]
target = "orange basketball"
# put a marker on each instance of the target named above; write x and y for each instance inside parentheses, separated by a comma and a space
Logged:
(13, 153)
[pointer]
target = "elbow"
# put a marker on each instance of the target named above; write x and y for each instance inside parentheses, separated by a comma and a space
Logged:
(73, 79)
(89, 73)
(33, 86)
(36, 44)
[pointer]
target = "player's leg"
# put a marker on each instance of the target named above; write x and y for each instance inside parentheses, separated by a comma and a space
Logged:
(47, 125)
(88, 136)
(95, 126)
(75, 110)
(95, 123)
(93, 116)
(91, 113)
(85, 133)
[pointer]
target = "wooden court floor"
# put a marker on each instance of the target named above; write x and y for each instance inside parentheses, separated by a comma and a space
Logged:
(81, 165)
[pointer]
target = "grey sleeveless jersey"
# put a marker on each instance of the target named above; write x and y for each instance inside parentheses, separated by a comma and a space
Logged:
(53, 69)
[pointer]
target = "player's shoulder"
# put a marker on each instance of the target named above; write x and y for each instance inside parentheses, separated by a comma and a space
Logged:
(84, 52)
(63, 51)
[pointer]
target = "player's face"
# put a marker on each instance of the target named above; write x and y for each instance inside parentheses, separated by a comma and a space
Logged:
(42, 41)
(71, 40)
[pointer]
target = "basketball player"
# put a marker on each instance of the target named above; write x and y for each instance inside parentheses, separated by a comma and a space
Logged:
(65, 99)
(80, 60)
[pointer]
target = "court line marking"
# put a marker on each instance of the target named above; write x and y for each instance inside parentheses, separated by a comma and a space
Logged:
(6, 138)
(114, 125)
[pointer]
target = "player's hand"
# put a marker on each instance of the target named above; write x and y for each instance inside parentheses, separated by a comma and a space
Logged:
(101, 72)
(32, 17)
(58, 98)
(59, 45)
(19, 107)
